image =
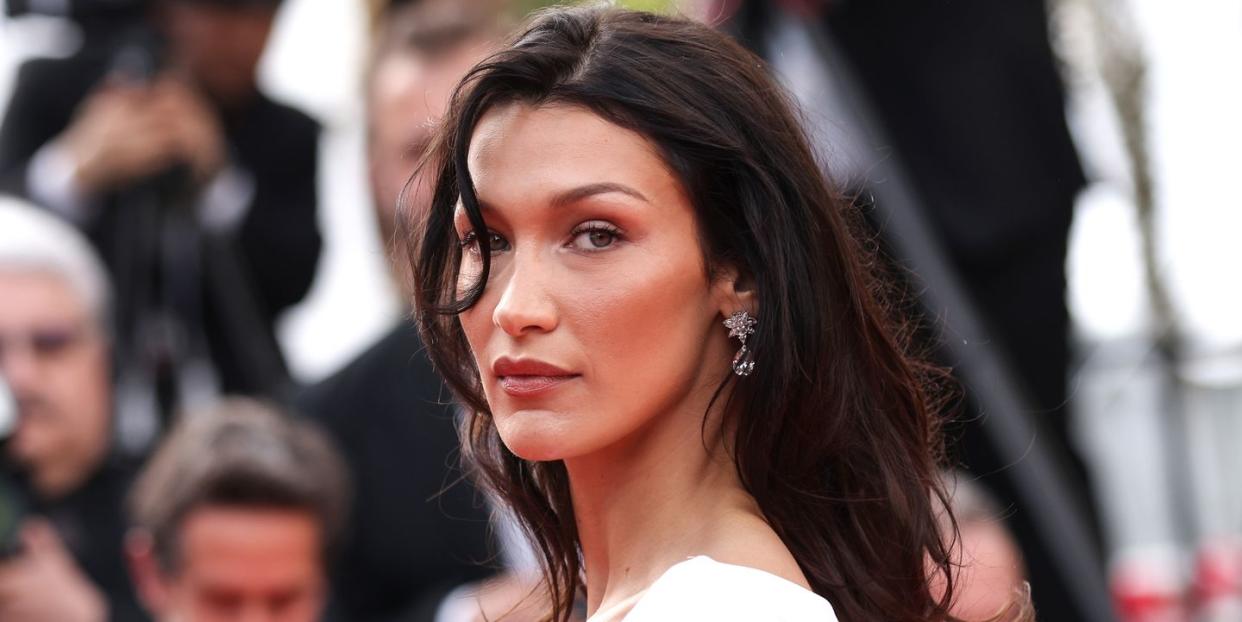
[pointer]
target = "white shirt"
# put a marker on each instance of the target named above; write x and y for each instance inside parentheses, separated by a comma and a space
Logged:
(221, 206)
(702, 588)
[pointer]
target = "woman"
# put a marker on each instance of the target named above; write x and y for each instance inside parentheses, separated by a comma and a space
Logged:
(679, 376)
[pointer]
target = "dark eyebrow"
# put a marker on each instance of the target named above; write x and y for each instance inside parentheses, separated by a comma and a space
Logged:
(589, 190)
(577, 194)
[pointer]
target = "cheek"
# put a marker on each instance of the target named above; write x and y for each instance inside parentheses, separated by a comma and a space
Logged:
(250, 40)
(476, 322)
(384, 183)
(83, 387)
(477, 326)
(642, 330)
(469, 269)
(642, 326)
(192, 43)
(34, 439)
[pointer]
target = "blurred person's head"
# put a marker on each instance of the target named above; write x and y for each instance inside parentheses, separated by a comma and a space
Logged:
(422, 50)
(54, 348)
(234, 516)
(991, 580)
(218, 43)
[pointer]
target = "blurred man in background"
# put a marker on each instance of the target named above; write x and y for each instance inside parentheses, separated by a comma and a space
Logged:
(234, 517)
(419, 535)
(197, 189)
(60, 480)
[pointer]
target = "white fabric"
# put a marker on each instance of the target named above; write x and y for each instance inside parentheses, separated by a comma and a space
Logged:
(461, 605)
(222, 204)
(226, 199)
(702, 588)
(49, 179)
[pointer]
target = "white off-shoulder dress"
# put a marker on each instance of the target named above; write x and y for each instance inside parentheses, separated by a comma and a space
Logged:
(702, 588)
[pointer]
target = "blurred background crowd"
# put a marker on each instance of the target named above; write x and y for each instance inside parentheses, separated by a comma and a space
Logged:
(213, 404)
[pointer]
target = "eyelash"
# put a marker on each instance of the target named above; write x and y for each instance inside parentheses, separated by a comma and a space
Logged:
(597, 227)
(470, 239)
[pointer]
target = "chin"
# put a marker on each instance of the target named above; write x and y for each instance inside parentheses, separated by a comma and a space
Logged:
(539, 435)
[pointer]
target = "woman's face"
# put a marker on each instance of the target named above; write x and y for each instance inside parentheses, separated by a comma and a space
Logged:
(599, 322)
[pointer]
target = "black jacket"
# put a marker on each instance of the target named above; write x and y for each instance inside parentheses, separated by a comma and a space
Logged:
(91, 522)
(969, 93)
(416, 530)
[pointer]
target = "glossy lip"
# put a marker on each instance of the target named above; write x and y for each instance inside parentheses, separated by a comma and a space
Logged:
(529, 377)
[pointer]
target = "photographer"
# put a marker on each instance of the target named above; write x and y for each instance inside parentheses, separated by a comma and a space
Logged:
(63, 489)
(197, 189)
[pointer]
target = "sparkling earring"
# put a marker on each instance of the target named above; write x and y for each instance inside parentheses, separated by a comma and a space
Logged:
(742, 325)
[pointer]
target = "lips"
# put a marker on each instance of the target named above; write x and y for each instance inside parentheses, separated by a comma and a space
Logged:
(529, 377)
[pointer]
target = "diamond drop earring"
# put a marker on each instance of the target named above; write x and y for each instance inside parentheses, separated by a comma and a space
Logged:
(742, 325)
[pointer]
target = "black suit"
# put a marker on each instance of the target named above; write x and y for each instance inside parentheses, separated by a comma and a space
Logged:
(416, 531)
(273, 251)
(969, 94)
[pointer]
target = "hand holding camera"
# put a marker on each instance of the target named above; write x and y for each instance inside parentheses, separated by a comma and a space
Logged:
(126, 131)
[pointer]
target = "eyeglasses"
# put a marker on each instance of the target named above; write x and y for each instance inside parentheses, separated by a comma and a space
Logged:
(45, 343)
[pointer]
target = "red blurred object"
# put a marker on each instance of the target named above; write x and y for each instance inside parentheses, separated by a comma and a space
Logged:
(1149, 588)
(1217, 586)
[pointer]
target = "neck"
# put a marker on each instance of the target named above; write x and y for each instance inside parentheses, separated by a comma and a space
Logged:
(661, 496)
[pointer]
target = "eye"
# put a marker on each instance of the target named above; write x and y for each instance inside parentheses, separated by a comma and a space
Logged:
(595, 236)
(496, 243)
(52, 342)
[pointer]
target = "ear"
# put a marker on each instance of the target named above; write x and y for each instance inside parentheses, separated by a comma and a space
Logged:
(150, 581)
(733, 291)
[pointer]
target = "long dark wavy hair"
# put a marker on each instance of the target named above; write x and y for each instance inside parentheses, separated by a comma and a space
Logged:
(837, 431)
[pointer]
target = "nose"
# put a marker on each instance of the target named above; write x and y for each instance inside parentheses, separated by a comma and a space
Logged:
(525, 304)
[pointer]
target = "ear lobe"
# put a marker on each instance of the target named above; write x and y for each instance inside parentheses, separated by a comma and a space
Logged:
(144, 568)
